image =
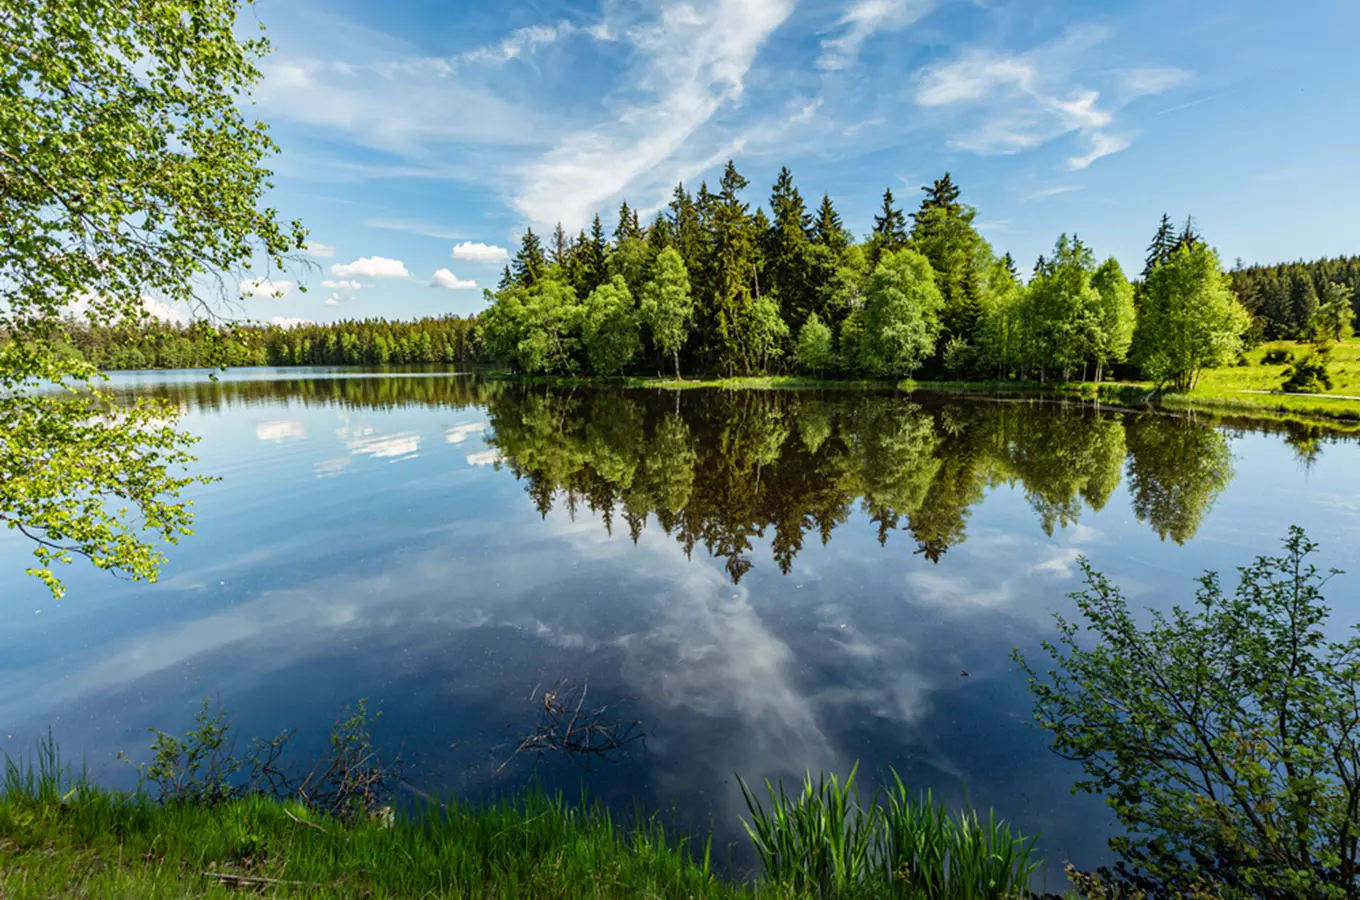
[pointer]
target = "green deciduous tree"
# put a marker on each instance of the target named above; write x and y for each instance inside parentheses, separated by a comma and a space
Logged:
(813, 350)
(1189, 319)
(609, 327)
(1114, 315)
(901, 315)
(667, 308)
(535, 329)
(1335, 318)
(128, 175)
(1225, 736)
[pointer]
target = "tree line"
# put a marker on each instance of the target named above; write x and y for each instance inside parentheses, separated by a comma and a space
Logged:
(712, 286)
(1294, 301)
(152, 344)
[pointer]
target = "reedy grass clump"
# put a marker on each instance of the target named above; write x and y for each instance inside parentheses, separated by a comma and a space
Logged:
(825, 841)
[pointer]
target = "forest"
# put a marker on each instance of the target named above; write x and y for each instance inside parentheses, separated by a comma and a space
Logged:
(711, 287)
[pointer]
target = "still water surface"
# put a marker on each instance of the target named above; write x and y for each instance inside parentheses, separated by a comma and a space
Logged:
(771, 581)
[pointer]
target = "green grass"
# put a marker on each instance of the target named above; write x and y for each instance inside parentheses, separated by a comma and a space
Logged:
(1228, 390)
(66, 839)
(62, 837)
(825, 841)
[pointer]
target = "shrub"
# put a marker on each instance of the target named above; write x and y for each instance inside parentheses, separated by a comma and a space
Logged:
(1225, 737)
(1277, 356)
(1308, 375)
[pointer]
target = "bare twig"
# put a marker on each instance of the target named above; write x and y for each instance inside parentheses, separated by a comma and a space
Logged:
(566, 725)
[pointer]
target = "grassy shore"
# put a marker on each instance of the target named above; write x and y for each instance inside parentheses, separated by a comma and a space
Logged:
(62, 837)
(96, 845)
(1251, 390)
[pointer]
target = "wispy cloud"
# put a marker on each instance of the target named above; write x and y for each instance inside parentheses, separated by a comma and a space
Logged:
(1099, 143)
(1180, 106)
(411, 226)
(861, 21)
(693, 60)
(1005, 103)
(1054, 191)
(320, 250)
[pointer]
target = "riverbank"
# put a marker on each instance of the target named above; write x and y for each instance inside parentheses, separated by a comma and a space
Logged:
(1250, 390)
(97, 844)
(61, 836)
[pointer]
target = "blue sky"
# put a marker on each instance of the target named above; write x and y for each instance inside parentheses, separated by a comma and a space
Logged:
(419, 137)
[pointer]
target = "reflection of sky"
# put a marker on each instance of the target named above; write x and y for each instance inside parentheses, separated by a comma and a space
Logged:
(436, 590)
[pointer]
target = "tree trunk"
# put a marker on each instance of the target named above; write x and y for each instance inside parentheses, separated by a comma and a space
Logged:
(676, 354)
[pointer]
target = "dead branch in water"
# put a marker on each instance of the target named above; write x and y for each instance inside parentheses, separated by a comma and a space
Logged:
(566, 725)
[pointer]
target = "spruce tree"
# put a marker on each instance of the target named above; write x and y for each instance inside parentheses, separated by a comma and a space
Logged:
(786, 246)
(890, 230)
(561, 245)
(628, 225)
(1008, 262)
(1163, 242)
(530, 263)
(828, 230)
(942, 194)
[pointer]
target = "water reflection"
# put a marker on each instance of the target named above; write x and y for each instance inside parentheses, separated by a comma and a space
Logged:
(721, 470)
(471, 539)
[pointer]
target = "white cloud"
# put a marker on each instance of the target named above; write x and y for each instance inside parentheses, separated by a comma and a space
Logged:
(693, 61)
(287, 322)
(345, 285)
(524, 41)
(446, 279)
(476, 252)
(1055, 190)
(1004, 103)
(392, 447)
(264, 287)
(282, 430)
(371, 267)
(156, 309)
(333, 300)
(459, 433)
(485, 458)
(861, 20)
(320, 250)
(1099, 144)
(1135, 83)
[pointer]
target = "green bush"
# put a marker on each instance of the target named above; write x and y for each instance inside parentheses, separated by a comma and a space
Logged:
(1308, 375)
(1277, 356)
(1224, 736)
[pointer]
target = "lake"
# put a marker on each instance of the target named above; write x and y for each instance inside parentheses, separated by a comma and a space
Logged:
(771, 581)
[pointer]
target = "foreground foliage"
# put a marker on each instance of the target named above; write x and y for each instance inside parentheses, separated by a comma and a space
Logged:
(825, 841)
(1226, 737)
(129, 179)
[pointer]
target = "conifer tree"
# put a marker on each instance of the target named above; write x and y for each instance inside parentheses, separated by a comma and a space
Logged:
(1163, 242)
(530, 263)
(786, 250)
(628, 224)
(890, 230)
(828, 230)
(561, 245)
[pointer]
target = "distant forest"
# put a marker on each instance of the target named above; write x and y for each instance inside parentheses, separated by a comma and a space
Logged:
(712, 287)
